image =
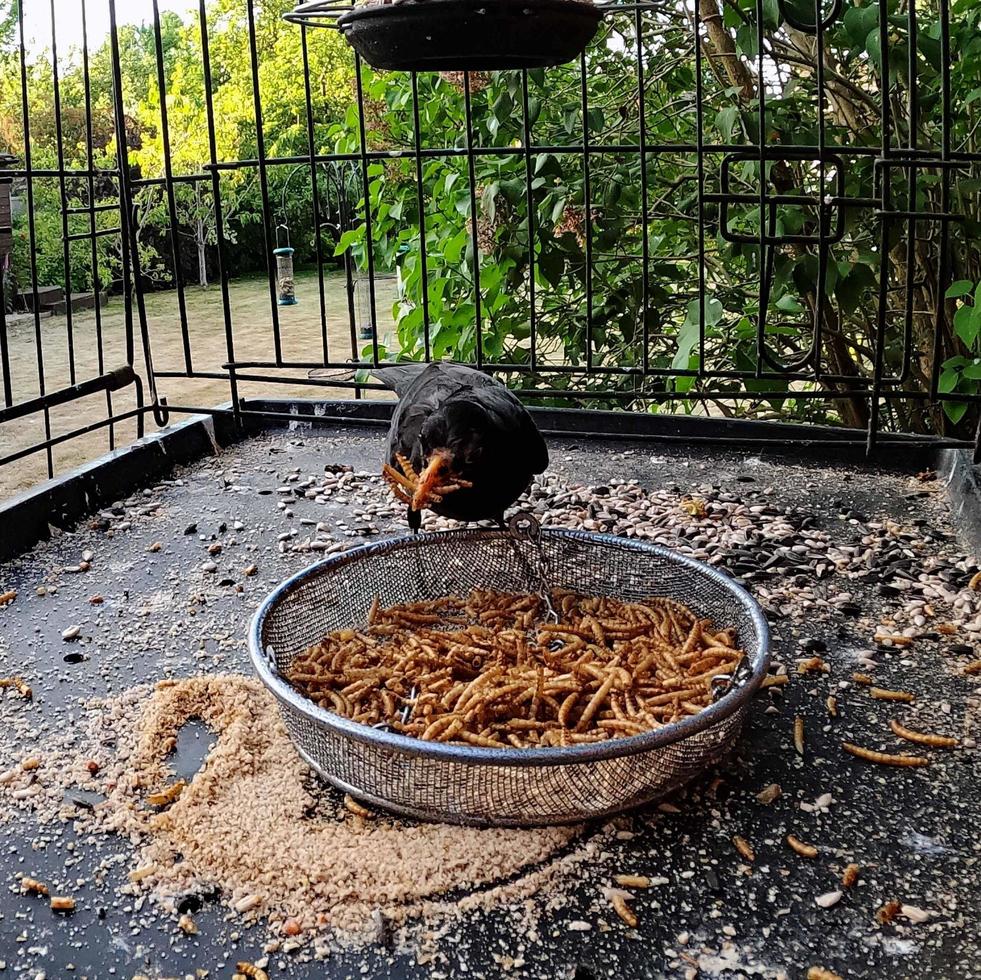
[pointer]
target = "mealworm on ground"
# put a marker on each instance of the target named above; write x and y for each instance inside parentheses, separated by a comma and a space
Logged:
(167, 795)
(862, 679)
(622, 909)
(31, 886)
(743, 846)
(251, 970)
(832, 705)
(61, 903)
(884, 758)
(804, 850)
(632, 881)
(820, 973)
(974, 667)
(886, 913)
(811, 665)
(922, 738)
(774, 680)
(799, 735)
(138, 874)
(849, 875)
(882, 694)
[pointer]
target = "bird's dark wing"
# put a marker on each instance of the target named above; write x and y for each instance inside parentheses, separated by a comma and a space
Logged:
(512, 418)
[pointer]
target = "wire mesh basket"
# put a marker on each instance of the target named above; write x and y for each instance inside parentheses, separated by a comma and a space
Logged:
(503, 787)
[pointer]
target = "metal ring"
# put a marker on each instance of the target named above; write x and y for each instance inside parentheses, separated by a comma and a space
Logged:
(525, 527)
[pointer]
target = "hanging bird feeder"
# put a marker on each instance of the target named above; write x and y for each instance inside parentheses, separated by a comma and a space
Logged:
(458, 35)
(284, 267)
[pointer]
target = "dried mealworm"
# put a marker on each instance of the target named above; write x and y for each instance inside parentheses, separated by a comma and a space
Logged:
(31, 886)
(138, 874)
(922, 738)
(356, 808)
(862, 679)
(622, 909)
(769, 794)
(167, 795)
(799, 735)
(61, 903)
(974, 667)
(775, 680)
(743, 846)
(881, 694)
(251, 970)
(812, 665)
(804, 850)
(888, 912)
(897, 640)
(832, 705)
(821, 973)
(884, 758)
(632, 881)
(7, 597)
(20, 684)
(849, 876)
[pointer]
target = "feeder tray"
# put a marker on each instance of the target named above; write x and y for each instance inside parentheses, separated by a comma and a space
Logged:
(489, 786)
(460, 35)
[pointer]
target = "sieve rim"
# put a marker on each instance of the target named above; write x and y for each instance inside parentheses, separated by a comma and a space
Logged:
(734, 700)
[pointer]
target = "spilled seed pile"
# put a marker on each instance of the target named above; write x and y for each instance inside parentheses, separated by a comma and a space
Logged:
(799, 846)
(254, 825)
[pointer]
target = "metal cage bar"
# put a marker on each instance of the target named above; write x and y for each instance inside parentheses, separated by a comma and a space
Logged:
(754, 189)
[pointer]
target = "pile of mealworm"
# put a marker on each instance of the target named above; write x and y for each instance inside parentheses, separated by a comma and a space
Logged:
(492, 669)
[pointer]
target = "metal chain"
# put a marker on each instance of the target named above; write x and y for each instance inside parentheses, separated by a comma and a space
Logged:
(525, 527)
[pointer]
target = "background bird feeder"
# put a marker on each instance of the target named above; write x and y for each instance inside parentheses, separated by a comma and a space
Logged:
(458, 35)
(284, 267)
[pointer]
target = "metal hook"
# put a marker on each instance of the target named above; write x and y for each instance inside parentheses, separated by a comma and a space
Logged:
(161, 414)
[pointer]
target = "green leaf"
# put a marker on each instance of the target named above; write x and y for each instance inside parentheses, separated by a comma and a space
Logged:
(948, 381)
(348, 239)
(725, 120)
(967, 324)
(960, 288)
(955, 411)
(973, 370)
(872, 46)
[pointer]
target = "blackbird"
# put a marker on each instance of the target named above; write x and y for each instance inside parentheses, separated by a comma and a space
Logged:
(460, 442)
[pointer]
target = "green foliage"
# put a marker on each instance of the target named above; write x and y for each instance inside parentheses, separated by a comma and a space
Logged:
(962, 374)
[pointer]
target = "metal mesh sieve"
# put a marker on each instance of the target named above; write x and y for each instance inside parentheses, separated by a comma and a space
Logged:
(504, 787)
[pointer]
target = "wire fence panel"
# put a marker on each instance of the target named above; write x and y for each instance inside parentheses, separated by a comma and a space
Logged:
(763, 208)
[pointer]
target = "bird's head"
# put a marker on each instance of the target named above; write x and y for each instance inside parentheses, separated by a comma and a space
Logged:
(452, 444)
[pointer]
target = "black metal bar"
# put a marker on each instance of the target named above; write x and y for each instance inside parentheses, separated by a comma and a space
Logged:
(366, 192)
(113, 381)
(474, 217)
(587, 209)
(260, 143)
(94, 209)
(421, 205)
(884, 215)
(50, 442)
(63, 194)
(169, 187)
(32, 231)
(315, 191)
(209, 105)
(943, 259)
